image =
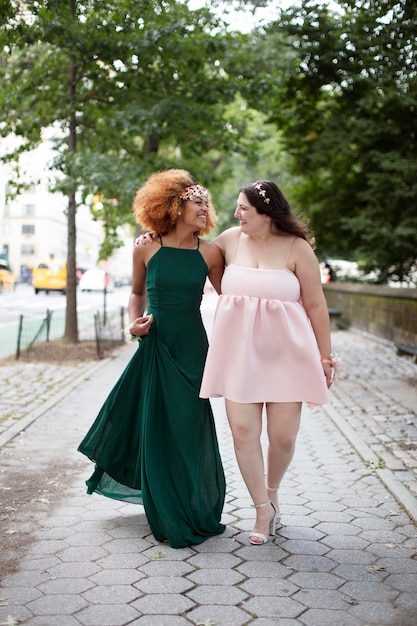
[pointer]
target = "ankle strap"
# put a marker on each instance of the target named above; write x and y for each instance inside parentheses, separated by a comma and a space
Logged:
(271, 488)
(258, 506)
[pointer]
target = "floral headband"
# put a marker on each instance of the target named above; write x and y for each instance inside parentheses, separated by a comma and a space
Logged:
(194, 193)
(261, 192)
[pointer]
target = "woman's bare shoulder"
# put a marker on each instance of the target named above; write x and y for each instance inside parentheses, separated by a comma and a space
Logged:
(211, 251)
(227, 236)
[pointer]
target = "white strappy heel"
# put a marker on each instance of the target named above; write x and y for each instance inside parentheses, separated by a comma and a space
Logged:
(272, 526)
(278, 514)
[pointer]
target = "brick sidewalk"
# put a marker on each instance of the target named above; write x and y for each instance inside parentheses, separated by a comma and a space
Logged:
(378, 399)
(345, 554)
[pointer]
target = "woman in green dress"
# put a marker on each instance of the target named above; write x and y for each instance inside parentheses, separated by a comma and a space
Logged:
(154, 440)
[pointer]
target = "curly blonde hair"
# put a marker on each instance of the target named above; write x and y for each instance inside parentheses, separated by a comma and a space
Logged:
(158, 203)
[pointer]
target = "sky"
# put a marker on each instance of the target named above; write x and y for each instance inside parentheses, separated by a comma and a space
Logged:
(244, 20)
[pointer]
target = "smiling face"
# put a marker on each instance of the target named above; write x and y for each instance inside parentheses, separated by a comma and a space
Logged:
(251, 222)
(195, 211)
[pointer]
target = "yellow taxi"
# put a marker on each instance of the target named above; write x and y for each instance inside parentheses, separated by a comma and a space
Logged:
(7, 278)
(50, 275)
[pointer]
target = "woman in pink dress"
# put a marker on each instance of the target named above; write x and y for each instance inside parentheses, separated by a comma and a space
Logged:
(270, 344)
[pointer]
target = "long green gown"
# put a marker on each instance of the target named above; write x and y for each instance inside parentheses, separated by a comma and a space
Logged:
(154, 440)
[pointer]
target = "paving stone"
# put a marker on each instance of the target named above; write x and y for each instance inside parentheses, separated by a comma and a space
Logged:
(297, 546)
(163, 584)
(19, 596)
(73, 570)
(270, 606)
(326, 617)
(382, 614)
(396, 565)
(222, 615)
(83, 553)
(322, 599)
(269, 587)
(166, 568)
(64, 620)
(258, 570)
(371, 592)
(313, 563)
(107, 615)
(164, 603)
(301, 533)
(117, 576)
(65, 585)
(127, 561)
(112, 594)
(217, 561)
(269, 552)
(160, 620)
(38, 564)
(216, 577)
(351, 556)
(217, 594)
(62, 604)
(315, 580)
(345, 543)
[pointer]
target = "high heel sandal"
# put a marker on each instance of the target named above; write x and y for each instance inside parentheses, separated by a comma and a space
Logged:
(278, 514)
(272, 526)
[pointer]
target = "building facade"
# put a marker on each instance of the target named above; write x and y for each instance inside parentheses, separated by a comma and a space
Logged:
(33, 226)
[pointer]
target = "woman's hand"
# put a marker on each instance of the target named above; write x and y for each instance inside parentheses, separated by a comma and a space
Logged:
(141, 326)
(330, 367)
(328, 372)
(145, 238)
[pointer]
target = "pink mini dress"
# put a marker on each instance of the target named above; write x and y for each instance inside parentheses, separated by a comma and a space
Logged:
(262, 346)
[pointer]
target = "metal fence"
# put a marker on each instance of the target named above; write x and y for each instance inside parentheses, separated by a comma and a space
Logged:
(42, 337)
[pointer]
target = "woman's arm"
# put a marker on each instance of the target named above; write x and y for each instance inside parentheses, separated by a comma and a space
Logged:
(139, 324)
(307, 270)
(215, 263)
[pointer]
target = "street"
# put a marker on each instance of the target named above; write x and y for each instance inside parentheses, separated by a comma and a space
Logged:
(23, 301)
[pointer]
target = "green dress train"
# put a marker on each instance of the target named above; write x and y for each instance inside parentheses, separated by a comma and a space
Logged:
(154, 440)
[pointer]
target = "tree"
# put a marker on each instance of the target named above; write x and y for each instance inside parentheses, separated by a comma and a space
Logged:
(128, 86)
(341, 86)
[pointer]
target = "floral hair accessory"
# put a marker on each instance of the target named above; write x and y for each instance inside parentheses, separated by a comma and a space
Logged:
(262, 192)
(194, 193)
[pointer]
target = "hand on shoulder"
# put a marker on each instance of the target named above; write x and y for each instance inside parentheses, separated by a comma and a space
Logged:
(145, 238)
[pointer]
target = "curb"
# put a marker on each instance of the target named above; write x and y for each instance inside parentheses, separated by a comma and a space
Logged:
(387, 477)
(22, 424)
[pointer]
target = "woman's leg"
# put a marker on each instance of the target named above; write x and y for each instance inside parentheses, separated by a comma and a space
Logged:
(283, 423)
(246, 425)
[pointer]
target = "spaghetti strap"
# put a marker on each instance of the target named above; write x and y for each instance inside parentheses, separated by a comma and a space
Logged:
(237, 245)
(160, 240)
(198, 243)
(289, 251)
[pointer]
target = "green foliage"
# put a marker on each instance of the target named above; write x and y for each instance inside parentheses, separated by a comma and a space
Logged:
(149, 92)
(341, 87)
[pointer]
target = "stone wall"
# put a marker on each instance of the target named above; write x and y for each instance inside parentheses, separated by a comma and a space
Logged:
(386, 312)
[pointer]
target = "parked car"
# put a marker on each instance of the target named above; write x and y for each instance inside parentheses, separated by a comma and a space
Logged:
(121, 281)
(96, 280)
(7, 278)
(50, 275)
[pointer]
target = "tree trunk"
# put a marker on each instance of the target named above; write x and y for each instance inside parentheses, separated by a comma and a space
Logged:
(71, 323)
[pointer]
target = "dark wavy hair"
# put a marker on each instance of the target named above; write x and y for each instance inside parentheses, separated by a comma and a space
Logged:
(277, 208)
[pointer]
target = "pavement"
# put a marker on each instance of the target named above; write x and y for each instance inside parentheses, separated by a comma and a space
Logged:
(345, 555)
